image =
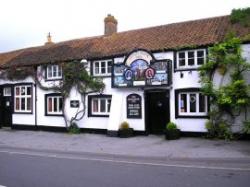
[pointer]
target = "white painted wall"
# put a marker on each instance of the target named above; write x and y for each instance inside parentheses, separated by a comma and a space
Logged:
(118, 106)
(42, 119)
(22, 119)
(118, 112)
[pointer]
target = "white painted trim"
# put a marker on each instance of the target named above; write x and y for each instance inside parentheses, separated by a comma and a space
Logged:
(186, 66)
(7, 91)
(188, 113)
(25, 97)
(51, 69)
(100, 68)
(57, 107)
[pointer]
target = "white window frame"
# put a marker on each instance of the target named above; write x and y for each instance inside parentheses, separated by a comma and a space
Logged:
(99, 68)
(54, 72)
(53, 112)
(107, 100)
(25, 97)
(7, 91)
(188, 113)
(195, 65)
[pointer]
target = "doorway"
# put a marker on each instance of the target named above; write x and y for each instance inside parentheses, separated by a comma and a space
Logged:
(6, 106)
(157, 113)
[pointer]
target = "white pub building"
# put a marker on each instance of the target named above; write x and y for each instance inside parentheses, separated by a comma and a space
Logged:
(151, 77)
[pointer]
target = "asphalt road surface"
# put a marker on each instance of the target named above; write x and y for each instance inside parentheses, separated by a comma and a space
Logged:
(42, 170)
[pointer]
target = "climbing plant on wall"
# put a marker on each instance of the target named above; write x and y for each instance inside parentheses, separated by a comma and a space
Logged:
(226, 100)
(74, 75)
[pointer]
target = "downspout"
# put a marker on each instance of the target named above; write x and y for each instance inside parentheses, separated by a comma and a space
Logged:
(35, 106)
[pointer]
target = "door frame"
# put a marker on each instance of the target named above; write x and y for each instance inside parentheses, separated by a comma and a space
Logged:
(146, 104)
(11, 104)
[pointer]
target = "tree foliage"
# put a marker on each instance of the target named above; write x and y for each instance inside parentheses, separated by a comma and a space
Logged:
(241, 16)
(75, 74)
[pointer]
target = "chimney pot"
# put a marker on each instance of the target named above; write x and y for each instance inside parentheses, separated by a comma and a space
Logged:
(49, 39)
(110, 25)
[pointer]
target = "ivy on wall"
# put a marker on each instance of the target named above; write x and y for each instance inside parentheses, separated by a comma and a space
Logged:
(74, 75)
(229, 100)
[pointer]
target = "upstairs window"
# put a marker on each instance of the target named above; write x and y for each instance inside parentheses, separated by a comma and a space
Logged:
(102, 68)
(23, 99)
(191, 58)
(54, 72)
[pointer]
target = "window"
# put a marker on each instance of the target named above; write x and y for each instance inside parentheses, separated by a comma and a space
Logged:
(191, 58)
(54, 72)
(54, 104)
(7, 91)
(99, 105)
(191, 103)
(23, 98)
(102, 68)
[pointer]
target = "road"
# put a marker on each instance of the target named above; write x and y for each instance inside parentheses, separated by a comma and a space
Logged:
(26, 169)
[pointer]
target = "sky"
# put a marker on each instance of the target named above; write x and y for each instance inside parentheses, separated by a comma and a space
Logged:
(26, 23)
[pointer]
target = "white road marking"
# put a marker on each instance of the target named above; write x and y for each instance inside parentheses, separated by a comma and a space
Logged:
(2, 186)
(126, 162)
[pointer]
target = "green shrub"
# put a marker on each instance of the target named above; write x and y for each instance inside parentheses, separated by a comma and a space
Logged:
(246, 127)
(210, 129)
(171, 126)
(219, 130)
(124, 125)
(125, 131)
(74, 129)
(224, 131)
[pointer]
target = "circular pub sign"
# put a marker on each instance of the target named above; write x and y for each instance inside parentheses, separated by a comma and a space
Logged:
(128, 74)
(149, 73)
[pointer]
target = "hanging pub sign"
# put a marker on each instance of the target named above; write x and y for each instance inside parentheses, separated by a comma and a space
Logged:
(134, 106)
(140, 69)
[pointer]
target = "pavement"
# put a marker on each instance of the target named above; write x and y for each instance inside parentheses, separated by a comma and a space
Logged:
(152, 146)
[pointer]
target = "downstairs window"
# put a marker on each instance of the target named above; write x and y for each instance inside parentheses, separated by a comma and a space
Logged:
(99, 105)
(191, 103)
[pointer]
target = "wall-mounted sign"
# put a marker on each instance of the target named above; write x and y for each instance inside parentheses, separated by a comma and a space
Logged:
(134, 106)
(74, 103)
(141, 69)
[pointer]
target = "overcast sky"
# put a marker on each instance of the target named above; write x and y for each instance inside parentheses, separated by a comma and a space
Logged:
(25, 23)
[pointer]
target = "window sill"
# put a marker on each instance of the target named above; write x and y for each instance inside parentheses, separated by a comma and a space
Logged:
(59, 115)
(55, 79)
(22, 112)
(187, 69)
(194, 117)
(102, 76)
(95, 115)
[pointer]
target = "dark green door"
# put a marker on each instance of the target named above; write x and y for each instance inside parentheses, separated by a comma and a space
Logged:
(6, 105)
(157, 111)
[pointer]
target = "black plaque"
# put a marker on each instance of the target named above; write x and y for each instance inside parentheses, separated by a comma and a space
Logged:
(134, 106)
(74, 103)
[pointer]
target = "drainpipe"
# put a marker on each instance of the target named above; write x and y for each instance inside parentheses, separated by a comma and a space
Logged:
(35, 106)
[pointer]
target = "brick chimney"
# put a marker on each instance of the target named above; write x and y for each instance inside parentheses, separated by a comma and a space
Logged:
(49, 40)
(110, 25)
